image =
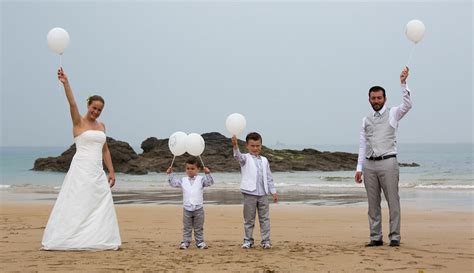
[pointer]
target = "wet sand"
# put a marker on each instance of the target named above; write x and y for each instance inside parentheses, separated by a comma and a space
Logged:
(305, 238)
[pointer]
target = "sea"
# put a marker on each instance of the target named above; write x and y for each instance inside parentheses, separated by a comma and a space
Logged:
(443, 181)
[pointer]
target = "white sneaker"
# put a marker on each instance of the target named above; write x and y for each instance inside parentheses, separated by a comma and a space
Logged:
(247, 244)
(266, 245)
(183, 246)
(202, 245)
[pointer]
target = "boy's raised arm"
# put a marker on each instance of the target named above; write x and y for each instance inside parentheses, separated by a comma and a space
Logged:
(237, 155)
(173, 180)
(208, 180)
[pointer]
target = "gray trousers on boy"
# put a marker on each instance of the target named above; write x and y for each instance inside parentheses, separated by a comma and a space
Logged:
(252, 204)
(382, 175)
(193, 220)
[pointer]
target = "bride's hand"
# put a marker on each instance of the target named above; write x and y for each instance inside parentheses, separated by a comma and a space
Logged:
(62, 76)
(111, 179)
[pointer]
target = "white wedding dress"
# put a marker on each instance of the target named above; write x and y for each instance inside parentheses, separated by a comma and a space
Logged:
(83, 217)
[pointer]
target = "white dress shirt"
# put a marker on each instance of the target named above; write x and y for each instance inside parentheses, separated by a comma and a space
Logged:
(260, 190)
(395, 115)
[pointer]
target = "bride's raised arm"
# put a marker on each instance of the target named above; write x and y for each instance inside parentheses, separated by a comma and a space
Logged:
(75, 116)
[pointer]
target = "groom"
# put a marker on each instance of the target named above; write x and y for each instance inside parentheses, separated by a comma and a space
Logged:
(378, 160)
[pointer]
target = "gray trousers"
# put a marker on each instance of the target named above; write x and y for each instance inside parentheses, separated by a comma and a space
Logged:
(193, 220)
(382, 175)
(252, 204)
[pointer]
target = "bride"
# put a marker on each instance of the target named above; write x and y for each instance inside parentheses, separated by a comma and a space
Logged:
(83, 217)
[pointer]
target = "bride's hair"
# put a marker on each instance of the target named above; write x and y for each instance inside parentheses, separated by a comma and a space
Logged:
(94, 98)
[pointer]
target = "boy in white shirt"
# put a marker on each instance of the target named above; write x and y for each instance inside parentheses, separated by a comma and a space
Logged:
(193, 210)
(256, 184)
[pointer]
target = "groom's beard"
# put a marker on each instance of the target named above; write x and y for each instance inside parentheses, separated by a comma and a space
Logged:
(377, 106)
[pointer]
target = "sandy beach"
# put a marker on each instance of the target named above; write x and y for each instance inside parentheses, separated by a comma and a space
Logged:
(305, 238)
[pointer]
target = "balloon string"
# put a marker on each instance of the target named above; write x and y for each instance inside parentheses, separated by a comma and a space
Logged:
(411, 54)
(172, 161)
(202, 162)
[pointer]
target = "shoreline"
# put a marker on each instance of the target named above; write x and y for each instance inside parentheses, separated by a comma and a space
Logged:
(306, 238)
(427, 199)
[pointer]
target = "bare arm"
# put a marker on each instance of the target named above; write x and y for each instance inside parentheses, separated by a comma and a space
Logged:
(75, 116)
(108, 163)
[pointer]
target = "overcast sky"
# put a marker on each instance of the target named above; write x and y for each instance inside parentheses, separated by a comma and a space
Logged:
(298, 71)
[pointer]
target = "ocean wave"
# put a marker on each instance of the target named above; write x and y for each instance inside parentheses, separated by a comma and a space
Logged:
(407, 185)
(336, 178)
(319, 185)
(444, 187)
(31, 188)
(282, 184)
(123, 187)
(439, 180)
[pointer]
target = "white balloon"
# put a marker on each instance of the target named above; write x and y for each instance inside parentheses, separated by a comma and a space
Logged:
(235, 123)
(177, 143)
(415, 30)
(58, 40)
(194, 144)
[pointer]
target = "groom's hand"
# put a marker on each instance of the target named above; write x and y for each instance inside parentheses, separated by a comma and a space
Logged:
(404, 75)
(169, 170)
(358, 177)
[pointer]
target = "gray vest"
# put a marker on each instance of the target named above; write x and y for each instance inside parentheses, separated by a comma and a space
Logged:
(380, 135)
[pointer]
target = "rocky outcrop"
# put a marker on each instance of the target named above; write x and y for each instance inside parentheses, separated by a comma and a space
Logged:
(122, 153)
(217, 155)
